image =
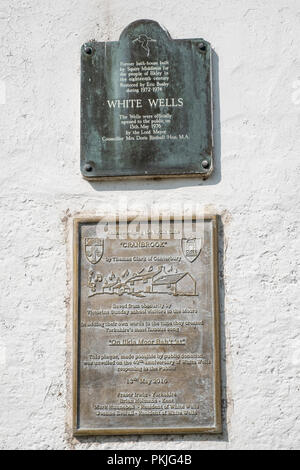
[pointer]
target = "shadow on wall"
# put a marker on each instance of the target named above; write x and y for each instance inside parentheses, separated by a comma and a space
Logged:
(179, 438)
(174, 183)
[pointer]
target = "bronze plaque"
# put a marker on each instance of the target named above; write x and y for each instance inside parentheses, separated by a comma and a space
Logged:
(146, 334)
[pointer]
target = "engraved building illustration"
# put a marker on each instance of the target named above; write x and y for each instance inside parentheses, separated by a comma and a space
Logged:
(152, 281)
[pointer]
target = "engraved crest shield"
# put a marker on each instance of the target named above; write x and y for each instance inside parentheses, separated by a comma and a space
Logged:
(94, 248)
(191, 248)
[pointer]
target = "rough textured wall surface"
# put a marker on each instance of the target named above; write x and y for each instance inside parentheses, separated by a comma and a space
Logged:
(255, 188)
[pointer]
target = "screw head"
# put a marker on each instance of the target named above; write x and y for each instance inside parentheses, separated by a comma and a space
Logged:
(88, 50)
(88, 168)
(205, 164)
(202, 46)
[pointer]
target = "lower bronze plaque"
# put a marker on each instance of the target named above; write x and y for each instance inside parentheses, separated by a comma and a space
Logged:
(146, 336)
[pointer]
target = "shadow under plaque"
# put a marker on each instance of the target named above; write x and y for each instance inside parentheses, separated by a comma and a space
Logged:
(146, 328)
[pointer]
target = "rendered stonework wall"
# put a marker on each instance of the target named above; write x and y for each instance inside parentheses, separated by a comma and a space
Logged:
(255, 189)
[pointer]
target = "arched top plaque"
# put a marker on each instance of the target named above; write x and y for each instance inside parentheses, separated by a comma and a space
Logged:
(146, 106)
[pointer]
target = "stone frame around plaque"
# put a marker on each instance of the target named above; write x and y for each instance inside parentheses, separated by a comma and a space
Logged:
(77, 431)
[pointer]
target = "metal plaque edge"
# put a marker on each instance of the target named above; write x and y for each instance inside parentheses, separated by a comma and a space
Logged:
(80, 432)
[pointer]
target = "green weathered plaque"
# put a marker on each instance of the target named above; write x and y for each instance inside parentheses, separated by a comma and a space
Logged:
(146, 106)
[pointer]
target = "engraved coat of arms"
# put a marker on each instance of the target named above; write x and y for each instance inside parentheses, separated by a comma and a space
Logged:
(191, 248)
(94, 248)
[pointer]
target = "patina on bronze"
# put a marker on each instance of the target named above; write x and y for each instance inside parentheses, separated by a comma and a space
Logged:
(146, 329)
(146, 105)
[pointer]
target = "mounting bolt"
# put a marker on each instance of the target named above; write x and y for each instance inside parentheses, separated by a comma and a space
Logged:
(205, 164)
(88, 168)
(202, 46)
(88, 50)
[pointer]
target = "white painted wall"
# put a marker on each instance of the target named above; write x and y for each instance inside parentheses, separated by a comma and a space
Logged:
(255, 188)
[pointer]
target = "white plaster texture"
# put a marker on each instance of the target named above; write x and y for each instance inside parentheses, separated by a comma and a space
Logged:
(255, 188)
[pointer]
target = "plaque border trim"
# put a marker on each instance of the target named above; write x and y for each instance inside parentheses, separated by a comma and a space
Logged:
(77, 432)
